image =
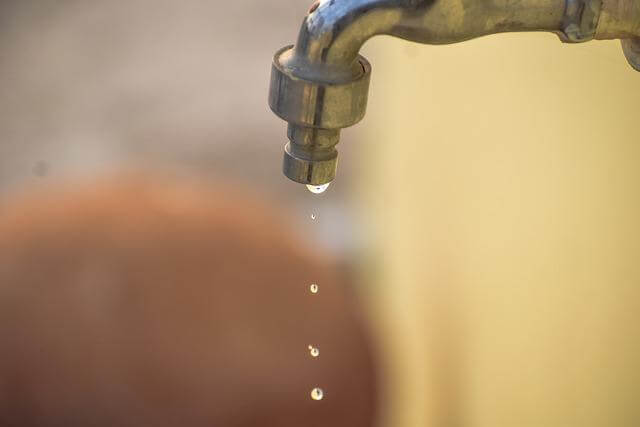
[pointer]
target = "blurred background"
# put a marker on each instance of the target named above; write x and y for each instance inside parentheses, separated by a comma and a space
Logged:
(485, 214)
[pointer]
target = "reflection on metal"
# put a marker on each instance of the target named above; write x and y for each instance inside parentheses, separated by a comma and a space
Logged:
(320, 85)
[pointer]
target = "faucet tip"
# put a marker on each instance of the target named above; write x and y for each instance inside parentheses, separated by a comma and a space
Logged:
(310, 167)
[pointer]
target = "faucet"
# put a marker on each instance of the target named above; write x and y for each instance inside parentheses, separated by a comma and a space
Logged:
(320, 85)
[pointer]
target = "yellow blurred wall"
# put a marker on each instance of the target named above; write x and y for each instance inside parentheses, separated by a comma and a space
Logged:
(500, 179)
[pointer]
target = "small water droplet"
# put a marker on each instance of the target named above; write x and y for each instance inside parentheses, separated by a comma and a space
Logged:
(313, 216)
(314, 351)
(314, 288)
(317, 394)
(317, 189)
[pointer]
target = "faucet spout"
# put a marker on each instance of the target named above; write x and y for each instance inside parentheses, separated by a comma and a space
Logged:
(320, 85)
(334, 31)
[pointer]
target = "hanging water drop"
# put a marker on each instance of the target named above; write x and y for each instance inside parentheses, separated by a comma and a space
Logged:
(314, 288)
(317, 189)
(314, 351)
(317, 394)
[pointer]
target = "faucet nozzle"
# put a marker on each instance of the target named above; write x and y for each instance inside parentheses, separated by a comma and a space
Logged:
(317, 102)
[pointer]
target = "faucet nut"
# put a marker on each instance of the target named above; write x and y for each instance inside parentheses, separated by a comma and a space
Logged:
(580, 20)
(304, 95)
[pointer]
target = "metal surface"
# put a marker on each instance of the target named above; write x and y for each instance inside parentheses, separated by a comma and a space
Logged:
(316, 106)
(619, 19)
(631, 49)
(580, 20)
(320, 85)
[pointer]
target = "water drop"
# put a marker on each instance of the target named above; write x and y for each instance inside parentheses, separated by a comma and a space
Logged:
(313, 216)
(314, 351)
(314, 288)
(317, 189)
(317, 394)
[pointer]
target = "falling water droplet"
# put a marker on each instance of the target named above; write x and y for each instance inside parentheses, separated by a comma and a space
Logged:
(317, 189)
(317, 394)
(314, 288)
(314, 351)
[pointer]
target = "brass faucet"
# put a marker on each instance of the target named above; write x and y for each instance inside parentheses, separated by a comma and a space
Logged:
(320, 85)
